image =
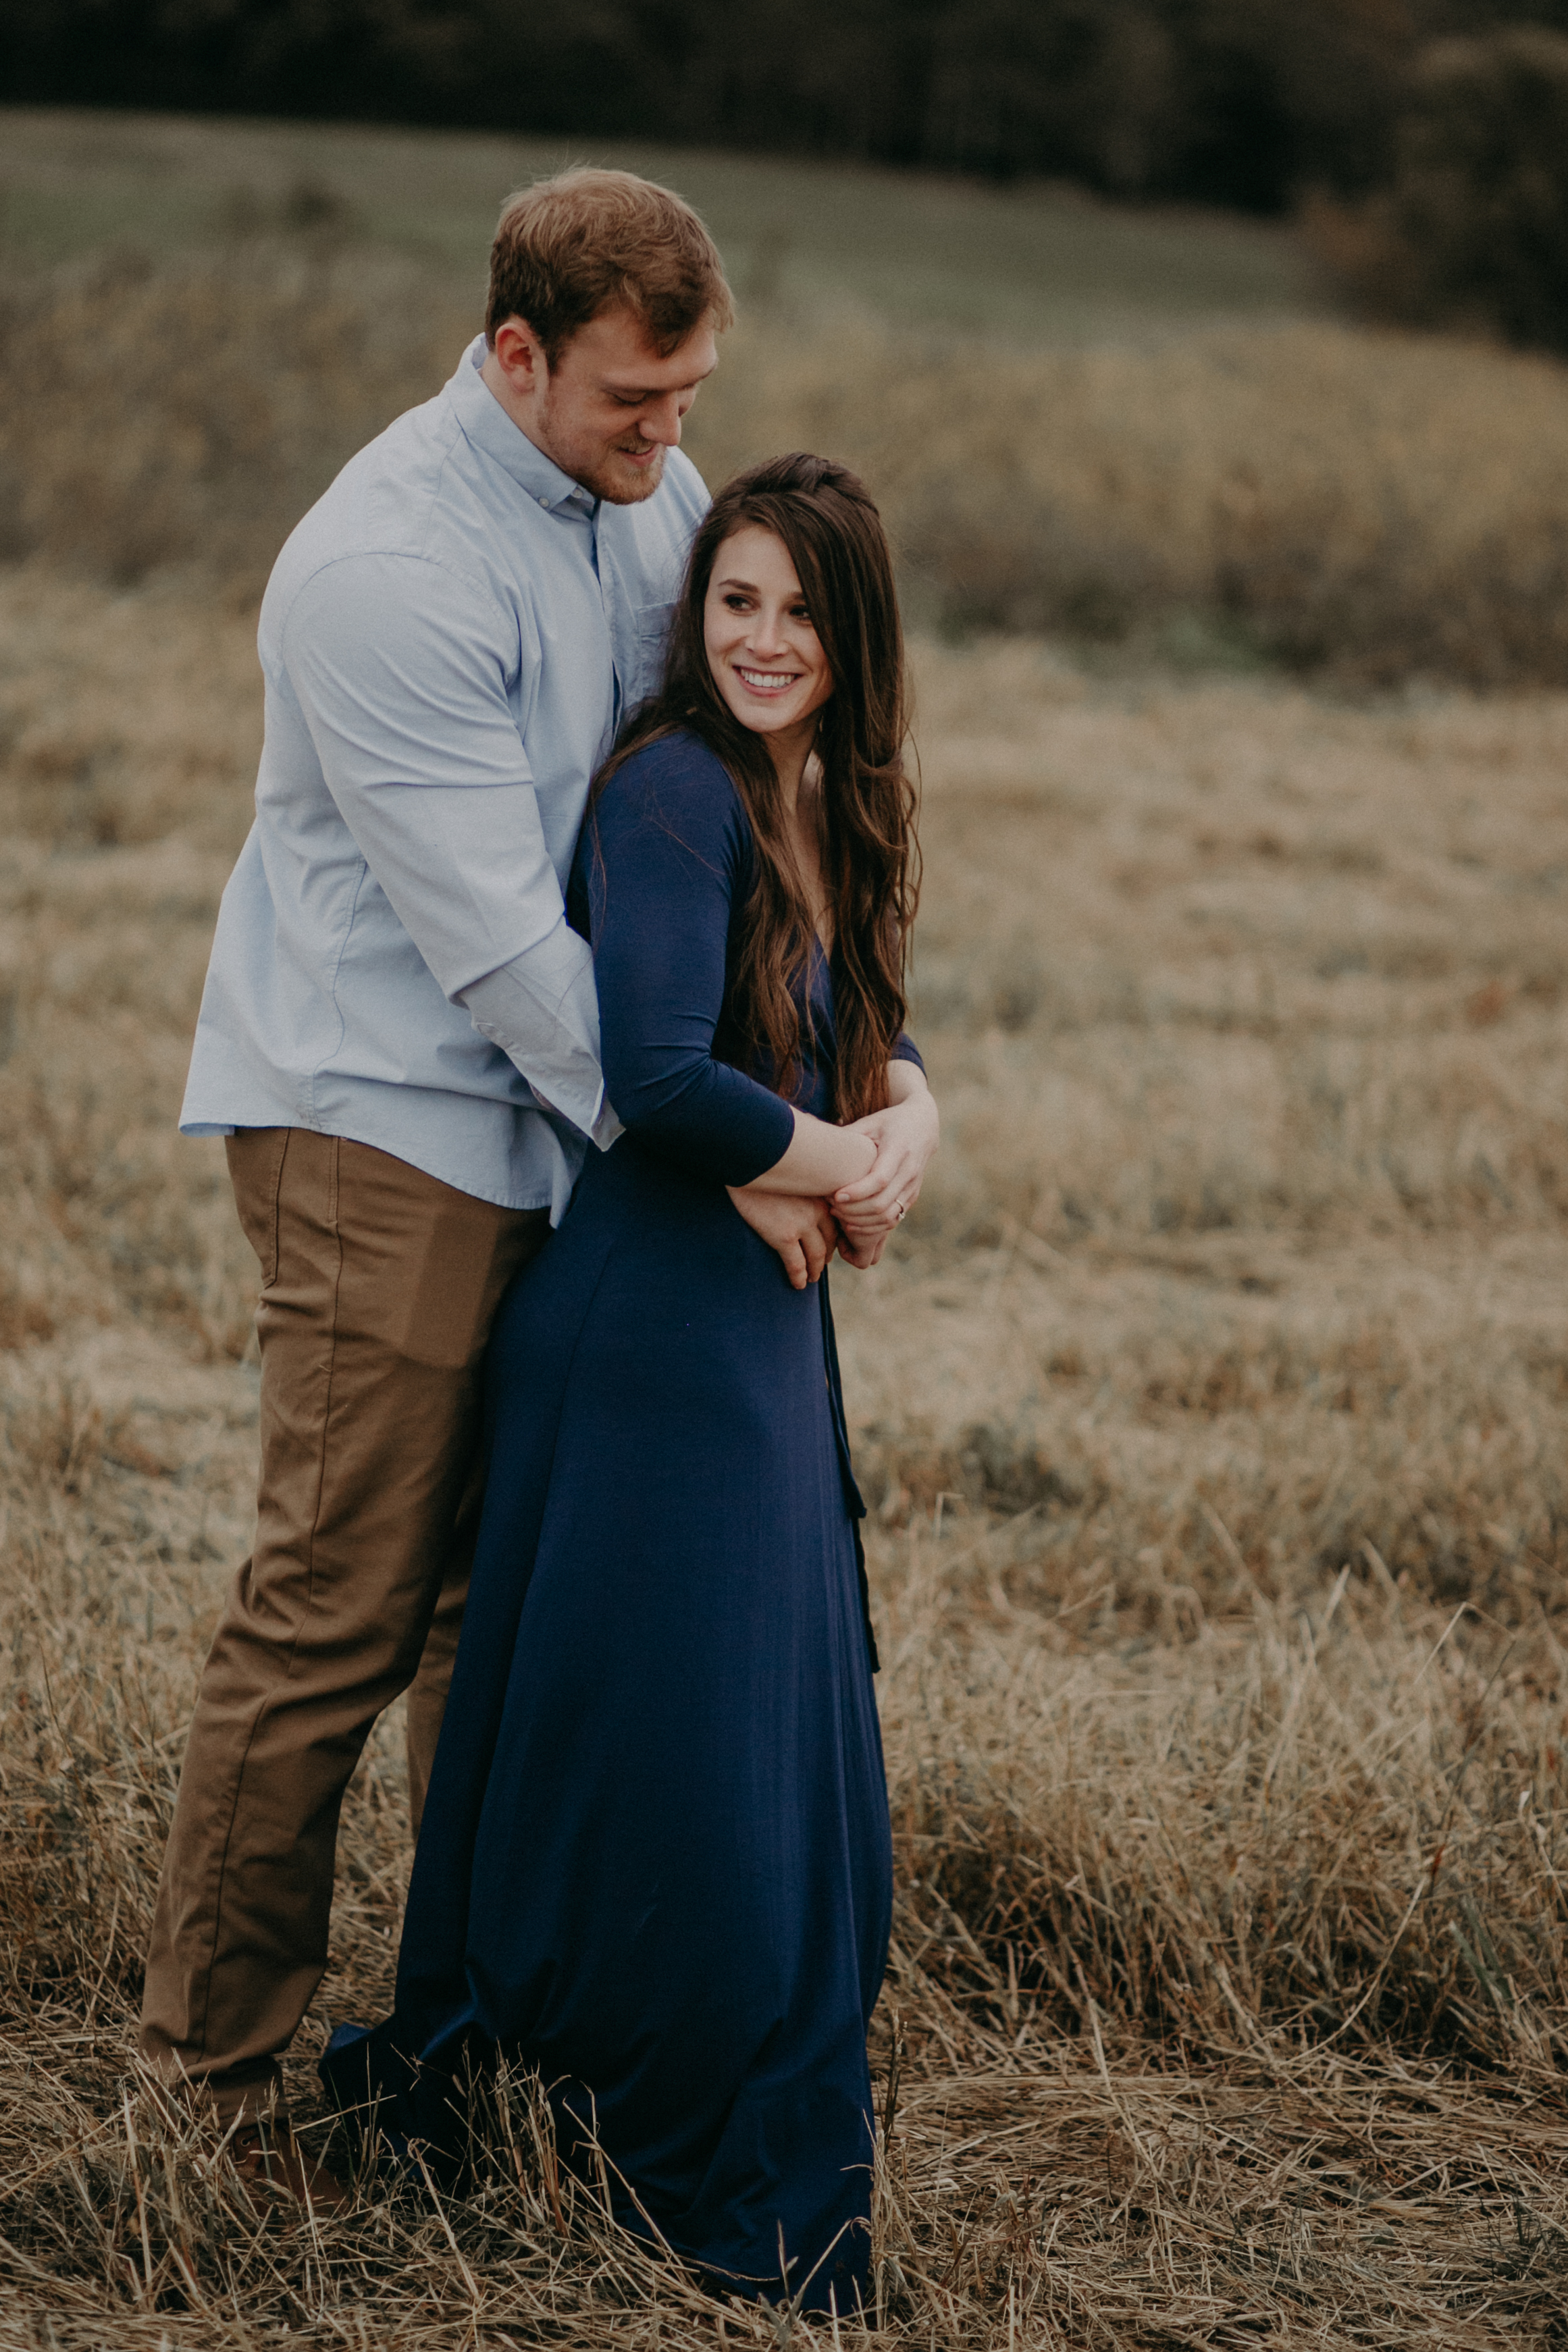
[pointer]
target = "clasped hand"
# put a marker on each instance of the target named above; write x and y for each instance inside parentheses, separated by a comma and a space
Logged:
(904, 1136)
(856, 1218)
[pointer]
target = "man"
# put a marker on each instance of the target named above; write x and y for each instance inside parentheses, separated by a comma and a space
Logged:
(399, 1037)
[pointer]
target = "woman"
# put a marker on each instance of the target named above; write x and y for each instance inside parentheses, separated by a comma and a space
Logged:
(655, 1858)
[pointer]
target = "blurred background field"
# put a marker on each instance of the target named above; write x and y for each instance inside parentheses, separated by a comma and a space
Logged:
(1040, 264)
(1150, 430)
(1213, 1406)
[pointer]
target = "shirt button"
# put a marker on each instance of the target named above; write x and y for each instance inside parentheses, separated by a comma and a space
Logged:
(545, 502)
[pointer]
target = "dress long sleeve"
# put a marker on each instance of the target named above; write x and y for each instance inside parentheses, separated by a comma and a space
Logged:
(668, 852)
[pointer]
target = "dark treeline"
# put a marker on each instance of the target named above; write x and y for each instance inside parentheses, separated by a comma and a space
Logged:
(1239, 102)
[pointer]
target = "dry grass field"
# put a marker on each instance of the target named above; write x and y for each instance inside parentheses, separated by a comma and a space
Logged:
(1367, 507)
(1139, 429)
(1214, 1405)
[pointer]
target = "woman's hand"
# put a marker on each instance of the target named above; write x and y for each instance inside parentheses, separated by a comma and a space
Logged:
(803, 1232)
(905, 1135)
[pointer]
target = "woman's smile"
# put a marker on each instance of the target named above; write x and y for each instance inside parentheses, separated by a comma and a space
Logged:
(762, 648)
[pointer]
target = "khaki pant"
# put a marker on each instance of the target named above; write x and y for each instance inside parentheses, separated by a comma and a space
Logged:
(378, 1288)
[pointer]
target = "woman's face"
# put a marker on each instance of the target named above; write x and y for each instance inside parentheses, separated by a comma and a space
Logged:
(764, 652)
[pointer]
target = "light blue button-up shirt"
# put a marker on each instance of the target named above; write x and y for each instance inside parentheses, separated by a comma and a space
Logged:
(448, 641)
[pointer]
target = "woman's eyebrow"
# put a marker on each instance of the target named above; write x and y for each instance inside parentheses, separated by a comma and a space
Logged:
(796, 595)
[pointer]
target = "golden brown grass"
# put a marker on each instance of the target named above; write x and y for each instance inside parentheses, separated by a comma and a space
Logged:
(1214, 1412)
(1376, 503)
(1371, 504)
(187, 415)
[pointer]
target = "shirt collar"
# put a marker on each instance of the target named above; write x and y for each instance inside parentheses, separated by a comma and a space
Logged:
(491, 430)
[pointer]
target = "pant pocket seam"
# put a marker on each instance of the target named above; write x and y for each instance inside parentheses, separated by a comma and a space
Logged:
(269, 1271)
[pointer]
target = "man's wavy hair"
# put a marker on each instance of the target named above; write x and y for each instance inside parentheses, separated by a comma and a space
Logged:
(587, 241)
(871, 865)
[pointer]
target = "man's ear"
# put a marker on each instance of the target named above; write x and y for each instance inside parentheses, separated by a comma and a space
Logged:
(519, 355)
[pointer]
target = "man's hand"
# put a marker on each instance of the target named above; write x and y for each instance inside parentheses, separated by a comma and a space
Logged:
(802, 1231)
(905, 1136)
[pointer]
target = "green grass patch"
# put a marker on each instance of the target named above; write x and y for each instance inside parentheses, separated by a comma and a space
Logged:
(1038, 263)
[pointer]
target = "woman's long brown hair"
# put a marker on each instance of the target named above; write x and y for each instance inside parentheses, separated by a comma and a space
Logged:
(825, 516)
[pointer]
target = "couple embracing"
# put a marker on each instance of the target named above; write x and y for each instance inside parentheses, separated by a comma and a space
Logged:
(555, 1023)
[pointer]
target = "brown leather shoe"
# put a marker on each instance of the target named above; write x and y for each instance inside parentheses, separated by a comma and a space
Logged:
(267, 2156)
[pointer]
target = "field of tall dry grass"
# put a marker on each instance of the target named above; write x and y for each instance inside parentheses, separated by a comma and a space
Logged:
(1367, 506)
(1139, 430)
(1214, 1405)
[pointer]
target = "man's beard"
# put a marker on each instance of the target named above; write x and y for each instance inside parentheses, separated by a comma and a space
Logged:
(622, 487)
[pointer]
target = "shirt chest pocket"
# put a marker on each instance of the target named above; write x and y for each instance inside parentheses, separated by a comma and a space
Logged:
(652, 627)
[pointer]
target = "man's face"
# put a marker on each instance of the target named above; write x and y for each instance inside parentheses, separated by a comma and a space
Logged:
(610, 407)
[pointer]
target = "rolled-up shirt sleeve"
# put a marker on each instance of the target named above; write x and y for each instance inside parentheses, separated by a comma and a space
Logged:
(397, 665)
(542, 1011)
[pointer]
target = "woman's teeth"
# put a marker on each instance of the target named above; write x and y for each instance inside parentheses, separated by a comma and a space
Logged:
(767, 679)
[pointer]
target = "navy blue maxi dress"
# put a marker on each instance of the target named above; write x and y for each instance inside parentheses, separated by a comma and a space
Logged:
(655, 1859)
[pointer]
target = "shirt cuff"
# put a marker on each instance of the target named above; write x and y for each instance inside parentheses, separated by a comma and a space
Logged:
(542, 1011)
(606, 1128)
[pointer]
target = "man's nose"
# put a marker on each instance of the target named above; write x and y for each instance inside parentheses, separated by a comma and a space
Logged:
(660, 421)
